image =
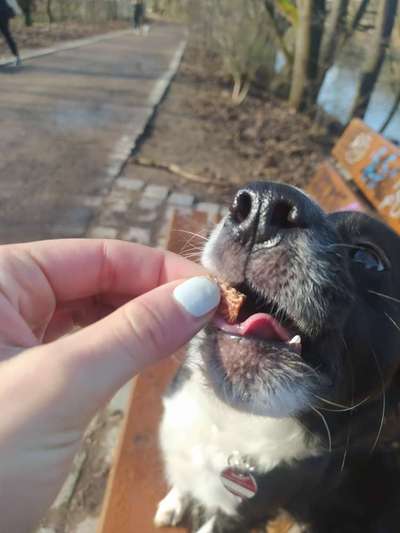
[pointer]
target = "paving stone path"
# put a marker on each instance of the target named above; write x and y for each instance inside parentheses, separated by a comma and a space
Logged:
(141, 212)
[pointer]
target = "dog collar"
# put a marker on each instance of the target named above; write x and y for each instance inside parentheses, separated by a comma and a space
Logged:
(237, 477)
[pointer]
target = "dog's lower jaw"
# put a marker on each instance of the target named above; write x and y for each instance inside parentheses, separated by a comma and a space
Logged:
(199, 432)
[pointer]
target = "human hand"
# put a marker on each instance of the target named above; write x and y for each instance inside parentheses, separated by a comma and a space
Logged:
(126, 298)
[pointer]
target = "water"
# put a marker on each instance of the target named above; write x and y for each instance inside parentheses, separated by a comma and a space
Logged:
(339, 89)
(338, 92)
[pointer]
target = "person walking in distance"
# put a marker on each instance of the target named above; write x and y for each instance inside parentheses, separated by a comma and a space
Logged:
(6, 14)
(138, 14)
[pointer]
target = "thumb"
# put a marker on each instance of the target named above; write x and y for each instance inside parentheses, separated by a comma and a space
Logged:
(86, 368)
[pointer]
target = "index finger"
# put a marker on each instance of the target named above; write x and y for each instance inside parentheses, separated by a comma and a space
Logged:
(78, 268)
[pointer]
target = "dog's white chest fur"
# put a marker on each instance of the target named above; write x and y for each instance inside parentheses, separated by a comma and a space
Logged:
(199, 433)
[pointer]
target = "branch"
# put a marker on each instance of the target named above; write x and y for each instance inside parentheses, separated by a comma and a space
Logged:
(277, 33)
(177, 170)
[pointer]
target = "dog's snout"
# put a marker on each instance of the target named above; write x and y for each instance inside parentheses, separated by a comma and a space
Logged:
(265, 210)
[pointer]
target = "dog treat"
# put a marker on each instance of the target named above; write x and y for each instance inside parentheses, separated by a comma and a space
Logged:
(231, 302)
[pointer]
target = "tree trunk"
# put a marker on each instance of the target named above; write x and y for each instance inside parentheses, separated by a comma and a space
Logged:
(302, 53)
(333, 28)
(49, 11)
(317, 32)
(308, 41)
(384, 25)
(362, 9)
(392, 112)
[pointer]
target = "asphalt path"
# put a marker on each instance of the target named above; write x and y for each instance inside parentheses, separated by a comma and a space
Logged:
(67, 121)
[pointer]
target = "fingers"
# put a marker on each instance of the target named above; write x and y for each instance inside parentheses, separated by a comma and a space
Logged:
(98, 360)
(78, 268)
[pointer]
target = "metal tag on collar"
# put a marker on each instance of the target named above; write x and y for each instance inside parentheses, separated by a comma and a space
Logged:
(237, 477)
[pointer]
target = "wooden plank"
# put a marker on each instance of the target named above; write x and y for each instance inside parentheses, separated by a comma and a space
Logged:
(330, 190)
(136, 483)
(374, 164)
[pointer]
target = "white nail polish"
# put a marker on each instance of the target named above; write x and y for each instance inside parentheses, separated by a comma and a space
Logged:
(198, 296)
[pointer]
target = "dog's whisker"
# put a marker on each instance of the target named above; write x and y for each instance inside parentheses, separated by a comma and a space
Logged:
(344, 245)
(191, 251)
(191, 239)
(328, 431)
(392, 321)
(193, 234)
(342, 408)
(189, 244)
(188, 249)
(186, 253)
(345, 453)
(382, 420)
(387, 296)
(349, 363)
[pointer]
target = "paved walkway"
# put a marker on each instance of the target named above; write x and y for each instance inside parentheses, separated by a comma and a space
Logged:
(69, 120)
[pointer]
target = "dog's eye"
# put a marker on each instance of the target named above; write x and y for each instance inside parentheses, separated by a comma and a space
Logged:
(369, 259)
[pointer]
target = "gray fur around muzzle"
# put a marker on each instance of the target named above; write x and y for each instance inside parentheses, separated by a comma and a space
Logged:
(279, 246)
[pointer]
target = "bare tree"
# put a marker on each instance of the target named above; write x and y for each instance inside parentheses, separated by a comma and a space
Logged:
(393, 110)
(381, 38)
(357, 18)
(308, 42)
(334, 26)
(241, 43)
(395, 81)
(302, 53)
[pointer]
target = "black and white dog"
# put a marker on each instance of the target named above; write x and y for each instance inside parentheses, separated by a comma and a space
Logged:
(294, 407)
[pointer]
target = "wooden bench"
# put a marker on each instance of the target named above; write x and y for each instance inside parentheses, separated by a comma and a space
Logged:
(136, 481)
(364, 175)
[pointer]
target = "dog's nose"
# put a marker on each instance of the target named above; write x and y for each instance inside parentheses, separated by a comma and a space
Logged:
(266, 210)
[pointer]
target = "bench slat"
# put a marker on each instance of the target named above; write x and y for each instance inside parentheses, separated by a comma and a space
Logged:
(373, 163)
(331, 191)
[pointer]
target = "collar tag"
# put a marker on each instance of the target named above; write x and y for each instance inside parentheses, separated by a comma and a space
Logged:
(237, 477)
(239, 483)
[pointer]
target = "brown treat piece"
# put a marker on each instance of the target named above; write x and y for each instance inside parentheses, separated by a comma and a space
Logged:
(231, 302)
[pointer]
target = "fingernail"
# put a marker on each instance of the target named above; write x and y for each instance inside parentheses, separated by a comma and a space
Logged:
(198, 296)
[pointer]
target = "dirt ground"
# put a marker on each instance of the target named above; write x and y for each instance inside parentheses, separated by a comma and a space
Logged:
(41, 35)
(200, 130)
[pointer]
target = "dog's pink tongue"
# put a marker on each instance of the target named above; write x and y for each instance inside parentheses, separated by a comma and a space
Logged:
(264, 326)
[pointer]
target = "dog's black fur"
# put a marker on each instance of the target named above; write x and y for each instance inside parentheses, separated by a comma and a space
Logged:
(335, 280)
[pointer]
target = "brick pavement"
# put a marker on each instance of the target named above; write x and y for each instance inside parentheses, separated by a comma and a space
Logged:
(140, 212)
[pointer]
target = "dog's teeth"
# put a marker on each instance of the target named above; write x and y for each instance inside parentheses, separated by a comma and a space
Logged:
(296, 340)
